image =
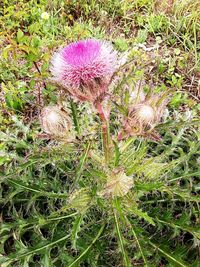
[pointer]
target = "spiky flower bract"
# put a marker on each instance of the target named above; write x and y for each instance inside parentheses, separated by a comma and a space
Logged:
(55, 122)
(84, 68)
(79, 200)
(118, 184)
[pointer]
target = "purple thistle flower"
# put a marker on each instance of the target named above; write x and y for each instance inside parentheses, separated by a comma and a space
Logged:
(85, 68)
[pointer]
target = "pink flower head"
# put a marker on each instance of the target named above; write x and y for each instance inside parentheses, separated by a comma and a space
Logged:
(84, 69)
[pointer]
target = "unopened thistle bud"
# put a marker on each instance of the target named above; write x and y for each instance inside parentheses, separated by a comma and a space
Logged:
(146, 114)
(140, 118)
(55, 121)
(85, 68)
(143, 117)
(118, 184)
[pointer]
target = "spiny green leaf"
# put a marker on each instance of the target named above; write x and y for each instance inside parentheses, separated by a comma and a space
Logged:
(74, 263)
(192, 230)
(137, 241)
(148, 186)
(117, 154)
(170, 256)
(120, 237)
(121, 243)
(35, 189)
(188, 175)
(82, 163)
(32, 251)
(75, 116)
(141, 214)
(76, 229)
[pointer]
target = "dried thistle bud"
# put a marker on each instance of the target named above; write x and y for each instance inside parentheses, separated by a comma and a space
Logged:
(118, 184)
(143, 117)
(144, 114)
(55, 121)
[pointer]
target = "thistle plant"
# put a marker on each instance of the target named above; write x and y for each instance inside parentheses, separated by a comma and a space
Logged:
(84, 69)
(99, 200)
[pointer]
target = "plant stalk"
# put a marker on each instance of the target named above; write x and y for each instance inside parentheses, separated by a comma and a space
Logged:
(106, 140)
(105, 131)
(75, 117)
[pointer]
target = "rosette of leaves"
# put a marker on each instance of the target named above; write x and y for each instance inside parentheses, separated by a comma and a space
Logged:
(55, 215)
